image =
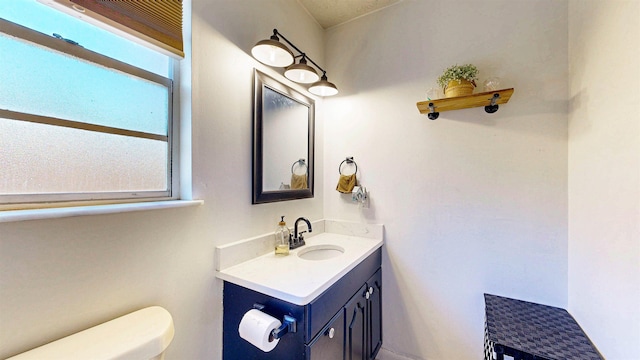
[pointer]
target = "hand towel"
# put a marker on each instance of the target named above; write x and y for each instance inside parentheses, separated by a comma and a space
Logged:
(346, 183)
(299, 181)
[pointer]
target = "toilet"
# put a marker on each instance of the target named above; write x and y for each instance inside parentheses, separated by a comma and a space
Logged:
(140, 335)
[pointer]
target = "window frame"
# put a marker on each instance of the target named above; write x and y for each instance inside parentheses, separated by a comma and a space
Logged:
(45, 200)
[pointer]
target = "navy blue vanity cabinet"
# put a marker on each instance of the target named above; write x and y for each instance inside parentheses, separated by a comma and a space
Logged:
(329, 343)
(364, 321)
(374, 315)
(237, 300)
(344, 322)
(355, 341)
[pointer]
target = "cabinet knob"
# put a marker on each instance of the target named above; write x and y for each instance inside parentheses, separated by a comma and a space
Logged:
(371, 290)
(367, 295)
(331, 333)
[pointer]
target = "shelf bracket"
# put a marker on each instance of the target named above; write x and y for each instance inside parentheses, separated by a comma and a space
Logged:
(493, 107)
(432, 112)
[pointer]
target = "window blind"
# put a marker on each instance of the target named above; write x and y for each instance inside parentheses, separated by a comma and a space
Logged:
(156, 21)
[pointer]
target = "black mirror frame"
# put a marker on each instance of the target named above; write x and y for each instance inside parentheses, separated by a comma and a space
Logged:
(261, 196)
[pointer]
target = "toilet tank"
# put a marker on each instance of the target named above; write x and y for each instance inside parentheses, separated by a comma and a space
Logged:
(140, 335)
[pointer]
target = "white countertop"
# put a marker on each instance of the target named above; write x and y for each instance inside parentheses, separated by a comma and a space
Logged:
(297, 280)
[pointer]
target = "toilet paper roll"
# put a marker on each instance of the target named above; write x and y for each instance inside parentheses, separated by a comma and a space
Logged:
(256, 327)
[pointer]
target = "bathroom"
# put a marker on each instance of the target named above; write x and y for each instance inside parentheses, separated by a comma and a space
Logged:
(539, 201)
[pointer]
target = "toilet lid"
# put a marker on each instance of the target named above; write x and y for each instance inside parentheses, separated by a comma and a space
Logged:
(142, 334)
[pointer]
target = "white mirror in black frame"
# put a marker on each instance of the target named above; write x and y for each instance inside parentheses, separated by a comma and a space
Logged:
(283, 141)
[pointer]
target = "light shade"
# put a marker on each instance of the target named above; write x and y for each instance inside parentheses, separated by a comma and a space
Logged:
(323, 87)
(301, 73)
(272, 52)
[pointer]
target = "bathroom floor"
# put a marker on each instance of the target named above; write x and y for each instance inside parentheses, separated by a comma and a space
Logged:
(388, 355)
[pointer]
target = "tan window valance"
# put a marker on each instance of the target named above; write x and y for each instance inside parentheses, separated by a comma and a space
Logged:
(156, 21)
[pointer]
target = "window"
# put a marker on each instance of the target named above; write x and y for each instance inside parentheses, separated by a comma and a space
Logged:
(84, 114)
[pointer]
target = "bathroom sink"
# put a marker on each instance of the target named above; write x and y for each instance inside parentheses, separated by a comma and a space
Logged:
(320, 252)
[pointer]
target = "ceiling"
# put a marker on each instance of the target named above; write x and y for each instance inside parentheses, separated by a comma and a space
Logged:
(330, 13)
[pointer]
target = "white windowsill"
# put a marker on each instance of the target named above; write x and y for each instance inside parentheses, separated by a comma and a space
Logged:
(52, 213)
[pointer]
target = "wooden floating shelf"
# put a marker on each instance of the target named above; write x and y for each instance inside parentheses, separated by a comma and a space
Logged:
(488, 99)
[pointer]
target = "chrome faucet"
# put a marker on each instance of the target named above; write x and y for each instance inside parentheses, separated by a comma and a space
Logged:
(298, 239)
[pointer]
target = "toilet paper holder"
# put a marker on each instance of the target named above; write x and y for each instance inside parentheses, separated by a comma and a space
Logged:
(289, 325)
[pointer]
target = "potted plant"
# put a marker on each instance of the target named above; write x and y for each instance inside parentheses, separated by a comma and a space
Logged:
(458, 80)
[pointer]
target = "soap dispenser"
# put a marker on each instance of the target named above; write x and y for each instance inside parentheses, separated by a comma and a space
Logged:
(282, 238)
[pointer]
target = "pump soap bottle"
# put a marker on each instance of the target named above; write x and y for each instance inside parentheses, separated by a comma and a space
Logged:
(282, 238)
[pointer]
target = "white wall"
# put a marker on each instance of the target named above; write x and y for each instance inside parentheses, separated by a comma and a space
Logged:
(604, 174)
(471, 202)
(61, 276)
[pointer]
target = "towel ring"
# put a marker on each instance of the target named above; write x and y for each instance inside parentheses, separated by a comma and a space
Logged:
(348, 160)
(302, 163)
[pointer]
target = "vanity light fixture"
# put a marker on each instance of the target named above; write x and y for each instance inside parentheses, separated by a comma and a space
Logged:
(274, 53)
(301, 72)
(323, 87)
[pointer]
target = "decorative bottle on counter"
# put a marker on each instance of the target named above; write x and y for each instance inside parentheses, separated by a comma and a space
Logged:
(282, 238)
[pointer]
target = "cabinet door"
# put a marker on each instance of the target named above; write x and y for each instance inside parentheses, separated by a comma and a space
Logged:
(329, 343)
(355, 327)
(374, 314)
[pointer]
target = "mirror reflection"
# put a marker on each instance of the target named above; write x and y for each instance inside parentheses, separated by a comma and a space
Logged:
(284, 153)
(283, 142)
